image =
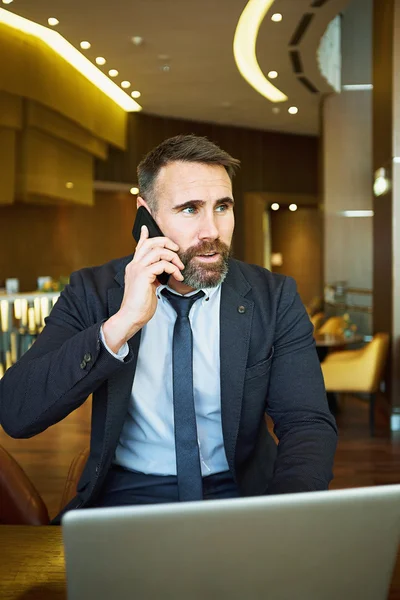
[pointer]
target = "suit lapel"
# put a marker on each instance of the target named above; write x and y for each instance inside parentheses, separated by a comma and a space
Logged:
(236, 314)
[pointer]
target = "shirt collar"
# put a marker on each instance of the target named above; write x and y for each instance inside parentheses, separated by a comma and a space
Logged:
(208, 292)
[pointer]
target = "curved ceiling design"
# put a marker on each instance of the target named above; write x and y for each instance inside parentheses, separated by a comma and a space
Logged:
(244, 49)
(184, 66)
(75, 58)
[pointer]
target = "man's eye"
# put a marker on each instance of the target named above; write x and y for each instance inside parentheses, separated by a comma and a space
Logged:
(224, 207)
(190, 209)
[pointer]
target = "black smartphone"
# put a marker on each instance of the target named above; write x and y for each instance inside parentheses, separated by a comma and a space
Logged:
(143, 217)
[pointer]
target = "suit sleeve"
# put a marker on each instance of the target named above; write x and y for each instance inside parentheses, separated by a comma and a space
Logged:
(64, 366)
(297, 403)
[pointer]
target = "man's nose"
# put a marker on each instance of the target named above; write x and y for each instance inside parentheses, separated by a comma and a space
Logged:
(208, 229)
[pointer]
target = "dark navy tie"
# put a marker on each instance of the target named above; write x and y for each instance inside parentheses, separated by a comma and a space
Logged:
(188, 466)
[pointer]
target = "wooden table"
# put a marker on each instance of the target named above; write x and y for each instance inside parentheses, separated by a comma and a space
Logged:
(32, 564)
(327, 340)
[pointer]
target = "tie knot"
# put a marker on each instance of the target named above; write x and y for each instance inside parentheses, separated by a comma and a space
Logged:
(181, 304)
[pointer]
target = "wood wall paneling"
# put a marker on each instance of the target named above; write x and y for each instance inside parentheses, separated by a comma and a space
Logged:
(7, 166)
(56, 240)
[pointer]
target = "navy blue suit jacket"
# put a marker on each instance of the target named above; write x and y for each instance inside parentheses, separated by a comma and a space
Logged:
(268, 364)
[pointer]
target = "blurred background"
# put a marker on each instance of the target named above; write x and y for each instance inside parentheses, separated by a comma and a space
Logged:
(304, 92)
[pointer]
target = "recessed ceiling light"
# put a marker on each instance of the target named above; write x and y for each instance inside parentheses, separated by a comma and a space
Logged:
(52, 21)
(273, 74)
(276, 17)
(137, 40)
(136, 94)
(275, 206)
(85, 45)
(276, 110)
(165, 68)
(134, 191)
(293, 207)
(293, 110)
(113, 72)
(69, 185)
(163, 57)
(7, 1)
(100, 61)
(125, 84)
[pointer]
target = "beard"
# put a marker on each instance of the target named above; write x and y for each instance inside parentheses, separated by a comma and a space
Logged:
(199, 275)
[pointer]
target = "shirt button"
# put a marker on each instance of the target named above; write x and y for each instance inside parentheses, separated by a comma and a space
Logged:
(241, 309)
(83, 364)
(87, 357)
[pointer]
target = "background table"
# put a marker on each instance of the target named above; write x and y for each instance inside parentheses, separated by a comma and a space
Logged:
(32, 564)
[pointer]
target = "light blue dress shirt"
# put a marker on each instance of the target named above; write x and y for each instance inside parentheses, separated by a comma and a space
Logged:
(147, 442)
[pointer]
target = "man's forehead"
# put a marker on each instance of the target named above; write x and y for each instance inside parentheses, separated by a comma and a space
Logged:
(188, 175)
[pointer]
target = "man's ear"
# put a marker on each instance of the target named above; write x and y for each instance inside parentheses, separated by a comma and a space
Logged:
(141, 202)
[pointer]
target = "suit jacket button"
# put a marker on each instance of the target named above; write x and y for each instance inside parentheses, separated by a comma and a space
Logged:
(241, 309)
(83, 364)
(87, 357)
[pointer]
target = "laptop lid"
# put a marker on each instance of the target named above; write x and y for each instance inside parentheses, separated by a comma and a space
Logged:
(321, 545)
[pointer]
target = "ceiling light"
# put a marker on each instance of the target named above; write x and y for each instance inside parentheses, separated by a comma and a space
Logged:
(293, 207)
(134, 191)
(165, 68)
(137, 40)
(100, 61)
(275, 206)
(273, 74)
(276, 17)
(357, 213)
(163, 57)
(276, 110)
(69, 185)
(125, 84)
(113, 72)
(293, 110)
(7, 1)
(244, 49)
(85, 45)
(136, 94)
(358, 87)
(52, 21)
(73, 56)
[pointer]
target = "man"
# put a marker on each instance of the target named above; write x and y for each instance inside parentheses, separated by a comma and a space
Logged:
(183, 374)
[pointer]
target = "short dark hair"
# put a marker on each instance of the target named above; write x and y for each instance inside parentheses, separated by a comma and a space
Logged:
(181, 148)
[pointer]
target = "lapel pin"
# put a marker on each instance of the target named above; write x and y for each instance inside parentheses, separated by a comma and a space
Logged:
(241, 310)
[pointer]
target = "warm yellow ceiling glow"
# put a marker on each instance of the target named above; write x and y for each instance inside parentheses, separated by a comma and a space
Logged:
(85, 45)
(244, 49)
(100, 61)
(293, 110)
(73, 56)
(276, 17)
(136, 94)
(113, 72)
(273, 74)
(293, 207)
(69, 185)
(134, 191)
(275, 206)
(52, 21)
(125, 84)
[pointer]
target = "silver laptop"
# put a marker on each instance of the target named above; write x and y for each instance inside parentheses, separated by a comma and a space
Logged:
(337, 545)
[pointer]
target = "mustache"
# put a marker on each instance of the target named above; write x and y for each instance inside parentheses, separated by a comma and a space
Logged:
(205, 248)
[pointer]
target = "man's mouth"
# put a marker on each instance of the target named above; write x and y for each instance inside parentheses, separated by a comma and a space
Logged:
(209, 257)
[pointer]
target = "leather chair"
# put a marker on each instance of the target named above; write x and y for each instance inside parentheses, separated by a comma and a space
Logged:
(74, 474)
(333, 326)
(358, 371)
(20, 502)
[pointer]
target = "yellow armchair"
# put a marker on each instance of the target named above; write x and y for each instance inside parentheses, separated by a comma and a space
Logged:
(317, 320)
(333, 326)
(358, 370)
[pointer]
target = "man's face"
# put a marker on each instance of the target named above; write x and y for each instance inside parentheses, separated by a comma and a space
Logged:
(195, 210)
